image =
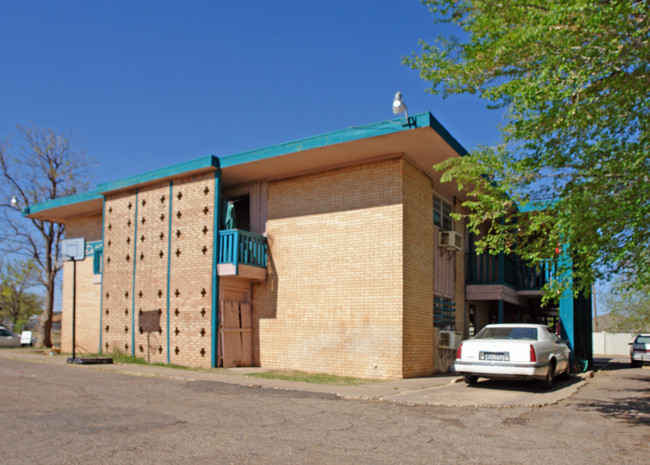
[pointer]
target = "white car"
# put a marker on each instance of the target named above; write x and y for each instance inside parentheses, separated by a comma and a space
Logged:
(514, 351)
(640, 350)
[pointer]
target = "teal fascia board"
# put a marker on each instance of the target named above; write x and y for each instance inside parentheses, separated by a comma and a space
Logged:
(63, 201)
(536, 206)
(331, 138)
(446, 136)
(163, 173)
(345, 135)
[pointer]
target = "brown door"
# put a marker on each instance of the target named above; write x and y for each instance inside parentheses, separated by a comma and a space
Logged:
(235, 329)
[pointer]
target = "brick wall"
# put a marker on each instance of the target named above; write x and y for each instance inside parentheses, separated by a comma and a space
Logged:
(88, 290)
(334, 295)
(168, 235)
(191, 271)
(418, 272)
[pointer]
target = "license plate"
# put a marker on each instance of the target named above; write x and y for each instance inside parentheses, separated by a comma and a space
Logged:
(494, 356)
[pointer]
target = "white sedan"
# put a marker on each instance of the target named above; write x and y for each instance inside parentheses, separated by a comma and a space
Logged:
(515, 351)
(640, 350)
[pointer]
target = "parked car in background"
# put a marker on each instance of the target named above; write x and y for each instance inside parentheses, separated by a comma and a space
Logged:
(513, 351)
(640, 350)
(8, 339)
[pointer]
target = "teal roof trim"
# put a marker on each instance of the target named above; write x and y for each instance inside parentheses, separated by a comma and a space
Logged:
(151, 176)
(62, 202)
(440, 129)
(345, 135)
(395, 125)
(537, 206)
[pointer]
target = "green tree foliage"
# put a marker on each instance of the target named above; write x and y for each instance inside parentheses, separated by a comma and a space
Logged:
(45, 168)
(572, 78)
(629, 308)
(17, 303)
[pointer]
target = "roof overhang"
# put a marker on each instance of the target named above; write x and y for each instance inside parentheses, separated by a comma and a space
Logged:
(420, 138)
(61, 209)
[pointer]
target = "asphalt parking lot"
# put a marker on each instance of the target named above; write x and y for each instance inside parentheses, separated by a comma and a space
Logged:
(55, 413)
(441, 390)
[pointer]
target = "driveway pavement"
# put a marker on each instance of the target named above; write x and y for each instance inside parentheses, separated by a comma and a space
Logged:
(441, 390)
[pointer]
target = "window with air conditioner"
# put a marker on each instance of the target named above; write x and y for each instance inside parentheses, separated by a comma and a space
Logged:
(442, 214)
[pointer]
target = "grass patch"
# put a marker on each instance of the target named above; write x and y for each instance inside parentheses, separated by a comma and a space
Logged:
(121, 357)
(315, 378)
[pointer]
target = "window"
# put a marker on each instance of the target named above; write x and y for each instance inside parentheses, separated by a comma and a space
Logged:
(442, 214)
(98, 256)
(507, 332)
(444, 313)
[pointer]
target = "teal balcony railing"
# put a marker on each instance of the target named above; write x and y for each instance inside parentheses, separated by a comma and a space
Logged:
(508, 270)
(242, 248)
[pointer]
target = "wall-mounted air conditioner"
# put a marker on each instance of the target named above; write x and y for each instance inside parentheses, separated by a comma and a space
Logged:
(448, 340)
(450, 240)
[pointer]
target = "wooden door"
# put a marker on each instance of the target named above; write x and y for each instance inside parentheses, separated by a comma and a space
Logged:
(236, 329)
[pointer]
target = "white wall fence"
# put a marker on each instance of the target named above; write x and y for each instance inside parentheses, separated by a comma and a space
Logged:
(605, 343)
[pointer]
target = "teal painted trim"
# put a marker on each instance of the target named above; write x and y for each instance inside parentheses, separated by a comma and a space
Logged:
(101, 285)
(62, 202)
(502, 267)
(567, 314)
(332, 138)
(169, 264)
(536, 206)
(345, 135)
(446, 136)
(95, 246)
(200, 163)
(500, 312)
(215, 274)
(135, 261)
(242, 247)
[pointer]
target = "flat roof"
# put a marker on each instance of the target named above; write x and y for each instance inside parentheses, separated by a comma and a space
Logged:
(421, 138)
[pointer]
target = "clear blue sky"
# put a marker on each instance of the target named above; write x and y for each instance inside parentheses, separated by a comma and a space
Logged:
(147, 84)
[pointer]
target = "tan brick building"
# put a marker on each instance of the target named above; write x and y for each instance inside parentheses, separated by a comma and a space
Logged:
(334, 265)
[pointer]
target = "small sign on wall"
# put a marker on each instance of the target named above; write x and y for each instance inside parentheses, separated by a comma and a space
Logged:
(150, 321)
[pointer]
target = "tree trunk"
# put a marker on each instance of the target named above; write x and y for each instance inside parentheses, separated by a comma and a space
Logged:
(45, 328)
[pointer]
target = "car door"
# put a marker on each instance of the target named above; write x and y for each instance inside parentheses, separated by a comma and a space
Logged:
(7, 339)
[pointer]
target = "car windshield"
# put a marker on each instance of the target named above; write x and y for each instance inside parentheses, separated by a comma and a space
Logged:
(643, 340)
(508, 332)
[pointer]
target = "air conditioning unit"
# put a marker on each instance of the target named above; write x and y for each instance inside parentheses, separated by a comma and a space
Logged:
(450, 240)
(448, 340)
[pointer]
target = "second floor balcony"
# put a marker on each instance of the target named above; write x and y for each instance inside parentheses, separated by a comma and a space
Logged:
(505, 277)
(243, 254)
(508, 270)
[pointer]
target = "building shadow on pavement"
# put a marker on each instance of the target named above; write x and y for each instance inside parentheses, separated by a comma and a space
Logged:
(524, 386)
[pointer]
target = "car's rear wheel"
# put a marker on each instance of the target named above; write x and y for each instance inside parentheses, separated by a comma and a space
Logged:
(634, 363)
(550, 376)
(470, 379)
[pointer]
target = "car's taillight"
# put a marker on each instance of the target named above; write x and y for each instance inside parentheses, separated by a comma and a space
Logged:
(459, 351)
(533, 357)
